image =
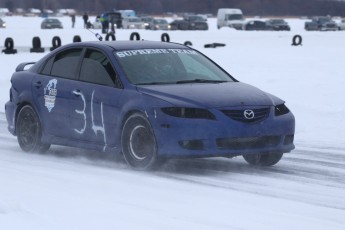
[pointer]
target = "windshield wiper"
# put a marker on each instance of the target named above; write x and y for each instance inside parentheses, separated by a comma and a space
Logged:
(155, 83)
(200, 81)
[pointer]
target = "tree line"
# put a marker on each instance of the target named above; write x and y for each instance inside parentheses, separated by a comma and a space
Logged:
(249, 7)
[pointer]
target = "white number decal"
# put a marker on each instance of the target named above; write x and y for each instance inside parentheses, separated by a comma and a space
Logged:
(81, 131)
(95, 128)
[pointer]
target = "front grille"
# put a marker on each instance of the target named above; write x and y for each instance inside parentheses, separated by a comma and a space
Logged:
(192, 144)
(239, 115)
(248, 142)
(288, 139)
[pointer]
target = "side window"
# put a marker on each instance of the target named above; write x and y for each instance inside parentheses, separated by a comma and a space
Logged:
(96, 68)
(65, 63)
(47, 67)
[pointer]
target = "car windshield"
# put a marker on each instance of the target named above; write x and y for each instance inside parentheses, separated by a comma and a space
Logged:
(134, 19)
(234, 17)
(160, 21)
(277, 21)
(196, 18)
(51, 20)
(169, 66)
(324, 19)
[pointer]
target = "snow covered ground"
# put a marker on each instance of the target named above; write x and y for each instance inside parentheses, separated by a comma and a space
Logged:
(76, 189)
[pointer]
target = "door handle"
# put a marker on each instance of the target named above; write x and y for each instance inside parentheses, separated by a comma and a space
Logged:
(38, 84)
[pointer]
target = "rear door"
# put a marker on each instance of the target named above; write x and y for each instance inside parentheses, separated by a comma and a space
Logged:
(95, 112)
(52, 90)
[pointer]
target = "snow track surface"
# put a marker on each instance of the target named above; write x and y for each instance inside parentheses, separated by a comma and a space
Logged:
(72, 189)
(75, 189)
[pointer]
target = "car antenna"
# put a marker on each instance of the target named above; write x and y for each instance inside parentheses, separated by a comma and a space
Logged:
(98, 36)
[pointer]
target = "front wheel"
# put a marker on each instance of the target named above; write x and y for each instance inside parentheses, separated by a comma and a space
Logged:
(139, 145)
(266, 159)
(29, 131)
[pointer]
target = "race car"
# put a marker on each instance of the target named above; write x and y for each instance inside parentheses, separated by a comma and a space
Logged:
(148, 101)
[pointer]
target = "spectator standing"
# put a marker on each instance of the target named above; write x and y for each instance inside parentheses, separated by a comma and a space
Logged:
(105, 23)
(73, 20)
(86, 19)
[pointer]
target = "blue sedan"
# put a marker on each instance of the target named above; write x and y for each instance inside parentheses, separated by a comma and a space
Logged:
(149, 101)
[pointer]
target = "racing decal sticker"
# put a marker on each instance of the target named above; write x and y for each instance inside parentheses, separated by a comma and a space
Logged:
(128, 53)
(50, 93)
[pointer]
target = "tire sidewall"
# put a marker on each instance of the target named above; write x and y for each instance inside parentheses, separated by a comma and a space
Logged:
(131, 122)
(9, 44)
(36, 145)
(266, 159)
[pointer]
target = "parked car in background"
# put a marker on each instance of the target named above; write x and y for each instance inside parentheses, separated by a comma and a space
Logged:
(189, 22)
(255, 25)
(133, 23)
(277, 24)
(114, 18)
(228, 17)
(329, 26)
(5, 12)
(341, 25)
(147, 21)
(321, 24)
(127, 13)
(159, 24)
(2, 23)
(179, 24)
(51, 23)
(196, 22)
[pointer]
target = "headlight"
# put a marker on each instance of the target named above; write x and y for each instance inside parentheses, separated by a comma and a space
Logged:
(195, 113)
(281, 110)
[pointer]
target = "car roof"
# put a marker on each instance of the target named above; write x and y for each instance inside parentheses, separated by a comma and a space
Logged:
(132, 45)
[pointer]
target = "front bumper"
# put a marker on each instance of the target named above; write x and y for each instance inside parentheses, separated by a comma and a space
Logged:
(180, 137)
(10, 116)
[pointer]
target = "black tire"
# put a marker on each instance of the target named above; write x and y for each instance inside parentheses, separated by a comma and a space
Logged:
(9, 44)
(29, 131)
(188, 43)
(56, 41)
(110, 35)
(266, 159)
(297, 40)
(36, 43)
(138, 142)
(165, 37)
(76, 38)
(134, 36)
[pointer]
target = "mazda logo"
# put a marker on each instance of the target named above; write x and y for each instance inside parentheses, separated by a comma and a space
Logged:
(248, 114)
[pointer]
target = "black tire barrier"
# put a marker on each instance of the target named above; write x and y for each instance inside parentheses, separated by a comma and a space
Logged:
(135, 35)
(56, 42)
(297, 40)
(110, 35)
(76, 38)
(188, 43)
(214, 45)
(165, 37)
(9, 44)
(36, 46)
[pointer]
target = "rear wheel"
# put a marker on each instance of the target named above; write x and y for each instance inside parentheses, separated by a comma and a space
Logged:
(29, 131)
(266, 159)
(139, 145)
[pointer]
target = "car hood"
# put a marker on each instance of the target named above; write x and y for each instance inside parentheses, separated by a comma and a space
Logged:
(210, 95)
